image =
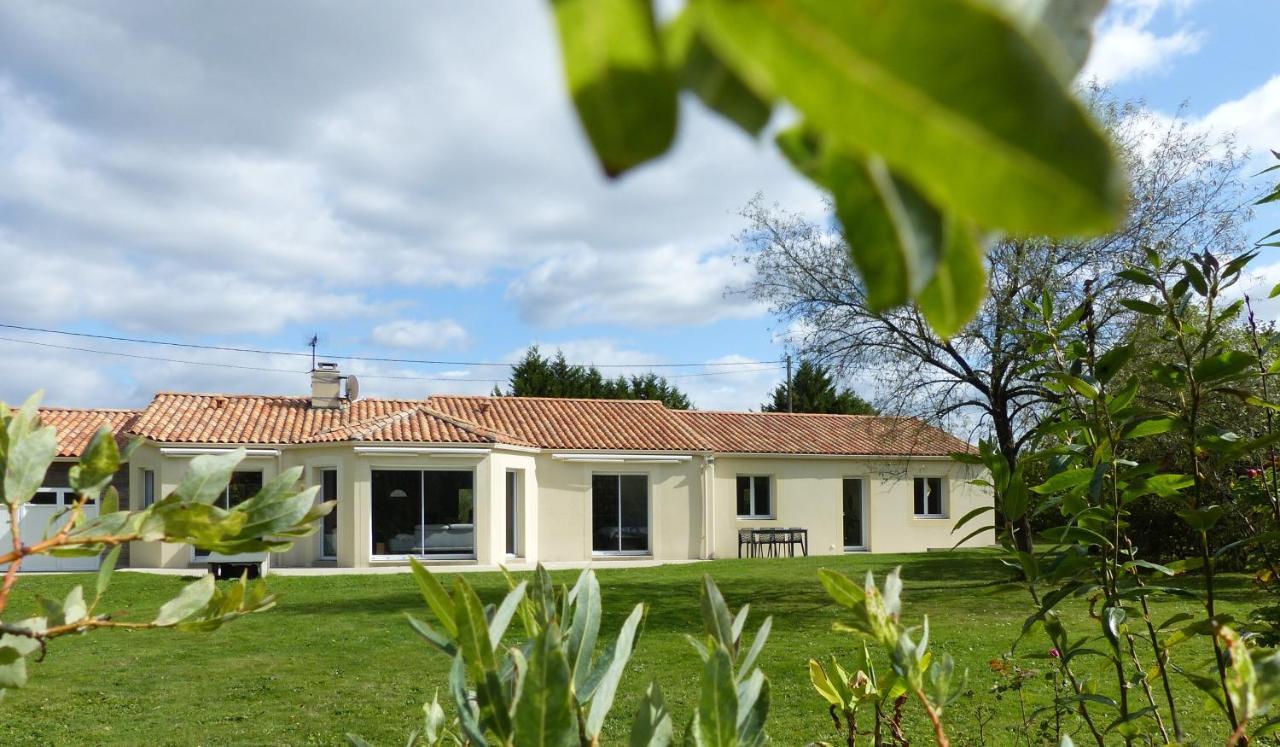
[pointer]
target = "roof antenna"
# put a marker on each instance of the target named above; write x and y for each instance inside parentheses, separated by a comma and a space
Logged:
(315, 340)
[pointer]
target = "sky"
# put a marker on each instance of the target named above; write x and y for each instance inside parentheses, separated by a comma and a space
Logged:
(409, 181)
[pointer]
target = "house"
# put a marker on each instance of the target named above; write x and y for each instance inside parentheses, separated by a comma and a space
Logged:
(474, 479)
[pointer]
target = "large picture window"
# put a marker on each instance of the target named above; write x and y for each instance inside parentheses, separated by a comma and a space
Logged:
(620, 514)
(424, 513)
(929, 497)
(754, 500)
(243, 486)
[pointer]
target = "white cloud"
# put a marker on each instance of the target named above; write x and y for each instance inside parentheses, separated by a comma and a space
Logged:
(409, 148)
(645, 288)
(1126, 47)
(424, 334)
(1254, 118)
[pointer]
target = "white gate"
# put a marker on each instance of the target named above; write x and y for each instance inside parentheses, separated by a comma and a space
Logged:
(44, 514)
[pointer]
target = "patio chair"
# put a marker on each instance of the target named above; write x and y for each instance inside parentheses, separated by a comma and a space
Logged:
(747, 537)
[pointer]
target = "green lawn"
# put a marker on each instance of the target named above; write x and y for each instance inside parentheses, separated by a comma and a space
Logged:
(336, 655)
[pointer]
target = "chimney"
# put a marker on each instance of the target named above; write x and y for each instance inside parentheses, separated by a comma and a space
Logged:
(326, 387)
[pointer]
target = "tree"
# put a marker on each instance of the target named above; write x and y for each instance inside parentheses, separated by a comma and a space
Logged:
(1185, 193)
(536, 375)
(814, 390)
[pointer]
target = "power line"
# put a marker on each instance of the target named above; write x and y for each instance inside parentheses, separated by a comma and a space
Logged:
(371, 359)
(149, 357)
(211, 364)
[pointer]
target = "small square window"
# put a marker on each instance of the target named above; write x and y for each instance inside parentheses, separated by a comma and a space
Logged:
(754, 499)
(928, 497)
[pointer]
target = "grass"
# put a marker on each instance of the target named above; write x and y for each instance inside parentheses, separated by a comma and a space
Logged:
(336, 655)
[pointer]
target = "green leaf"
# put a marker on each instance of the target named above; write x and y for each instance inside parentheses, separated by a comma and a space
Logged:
(753, 709)
(13, 668)
(652, 726)
(757, 645)
(823, 684)
(98, 464)
(617, 76)
(894, 234)
(1139, 277)
(207, 477)
(544, 713)
(959, 283)
(717, 720)
(193, 598)
(1110, 362)
(715, 613)
(436, 597)
(1065, 480)
(963, 105)
(700, 70)
(73, 607)
(477, 652)
(1142, 307)
(1063, 29)
(432, 636)
(1150, 427)
(466, 711)
(1201, 519)
(602, 696)
(1112, 620)
(844, 590)
(1224, 365)
(584, 628)
(502, 616)
(28, 458)
(1167, 485)
(104, 572)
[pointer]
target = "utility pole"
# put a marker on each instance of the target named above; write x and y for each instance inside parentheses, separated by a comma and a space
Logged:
(790, 398)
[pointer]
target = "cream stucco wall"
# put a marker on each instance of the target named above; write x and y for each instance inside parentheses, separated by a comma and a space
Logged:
(554, 498)
(169, 471)
(808, 493)
(564, 502)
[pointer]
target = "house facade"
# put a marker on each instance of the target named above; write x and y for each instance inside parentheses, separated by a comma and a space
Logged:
(490, 480)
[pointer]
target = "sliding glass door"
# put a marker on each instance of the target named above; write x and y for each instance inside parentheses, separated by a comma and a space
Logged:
(620, 514)
(424, 513)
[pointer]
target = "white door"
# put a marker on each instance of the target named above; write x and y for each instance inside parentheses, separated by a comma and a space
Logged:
(43, 515)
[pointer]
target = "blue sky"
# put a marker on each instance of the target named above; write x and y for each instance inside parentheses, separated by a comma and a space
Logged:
(411, 183)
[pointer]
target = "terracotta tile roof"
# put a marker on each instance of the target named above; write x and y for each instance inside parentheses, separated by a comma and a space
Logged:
(787, 433)
(76, 426)
(252, 419)
(552, 423)
(549, 423)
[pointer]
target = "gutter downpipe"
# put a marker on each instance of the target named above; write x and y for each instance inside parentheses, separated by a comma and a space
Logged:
(709, 505)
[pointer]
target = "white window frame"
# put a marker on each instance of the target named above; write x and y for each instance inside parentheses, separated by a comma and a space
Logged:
(942, 497)
(773, 498)
(475, 504)
(515, 516)
(337, 479)
(864, 498)
(144, 474)
(648, 514)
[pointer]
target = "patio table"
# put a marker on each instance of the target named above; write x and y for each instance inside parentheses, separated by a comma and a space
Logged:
(778, 541)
